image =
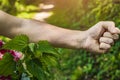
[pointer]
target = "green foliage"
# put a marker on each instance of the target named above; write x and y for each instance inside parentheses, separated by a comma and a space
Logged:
(34, 68)
(82, 14)
(39, 58)
(86, 66)
(37, 61)
(18, 43)
(7, 65)
(18, 8)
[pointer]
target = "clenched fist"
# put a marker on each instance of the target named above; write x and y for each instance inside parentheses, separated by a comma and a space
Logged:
(101, 37)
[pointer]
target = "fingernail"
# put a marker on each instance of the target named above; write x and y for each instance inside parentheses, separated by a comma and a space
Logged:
(116, 30)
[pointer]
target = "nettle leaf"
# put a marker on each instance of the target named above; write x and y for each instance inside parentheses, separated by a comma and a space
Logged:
(18, 43)
(35, 70)
(46, 54)
(33, 48)
(49, 60)
(45, 47)
(7, 65)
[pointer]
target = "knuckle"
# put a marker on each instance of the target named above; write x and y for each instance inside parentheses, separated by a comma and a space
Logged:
(101, 22)
(111, 22)
(112, 40)
(102, 45)
(116, 36)
(109, 40)
(109, 46)
(100, 40)
(105, 46)
(108, 34)
(106, 40)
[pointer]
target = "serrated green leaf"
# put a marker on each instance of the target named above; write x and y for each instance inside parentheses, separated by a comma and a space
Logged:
(50, 60)
(43, 64)
(7, 65)
(35, 70)
(34, 51)
(18, 43)
(45, 47)
(46, 53)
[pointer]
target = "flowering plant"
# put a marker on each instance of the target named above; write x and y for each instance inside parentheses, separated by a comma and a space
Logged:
(21, 60)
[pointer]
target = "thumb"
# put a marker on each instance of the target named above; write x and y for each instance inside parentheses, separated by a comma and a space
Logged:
(110, 26)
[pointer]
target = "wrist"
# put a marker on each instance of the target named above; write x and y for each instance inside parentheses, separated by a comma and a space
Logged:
(81, 39)
(76, 39)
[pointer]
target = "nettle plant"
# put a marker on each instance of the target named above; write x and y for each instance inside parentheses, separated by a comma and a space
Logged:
(22, 60)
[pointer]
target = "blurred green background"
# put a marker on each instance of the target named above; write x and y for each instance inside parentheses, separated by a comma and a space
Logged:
(80, 15)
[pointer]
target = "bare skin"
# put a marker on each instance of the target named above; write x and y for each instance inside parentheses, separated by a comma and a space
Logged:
(98, 38)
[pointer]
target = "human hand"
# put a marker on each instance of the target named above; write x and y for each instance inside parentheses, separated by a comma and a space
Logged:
(101, 36)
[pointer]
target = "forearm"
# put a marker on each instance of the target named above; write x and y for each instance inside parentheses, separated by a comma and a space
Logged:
(58, 37)
(8, 24)
(11, 26)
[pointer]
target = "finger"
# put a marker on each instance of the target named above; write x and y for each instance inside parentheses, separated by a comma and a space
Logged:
(108, 35)
(105, 46)
(110, 26)
(117, 30)
(115, 36)
(98, 50)
(106, 40)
